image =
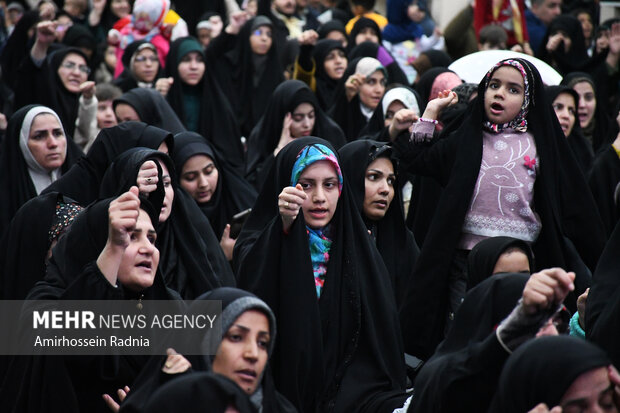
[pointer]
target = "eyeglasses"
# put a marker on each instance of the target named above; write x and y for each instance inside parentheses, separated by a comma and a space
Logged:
(142, 59)
(71, 65)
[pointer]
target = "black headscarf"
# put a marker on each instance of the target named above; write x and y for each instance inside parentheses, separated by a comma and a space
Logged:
(339, 353)
(331, 26)
(394, 241)
(603, 180)
(425, 84)
(577, 56)
(238, 69)
(483, 257)
(325, 85)
(361, 24)
(599, 130)
(184, 262)
(579, 146)
(216, 120)
(79, 36)
(17, 46)
(15, 181)
(266, 134)
(561, 197)
(462, 374)
(127, 80)
(152, 109)
(542, 371)
(82, 182)
(375, 50)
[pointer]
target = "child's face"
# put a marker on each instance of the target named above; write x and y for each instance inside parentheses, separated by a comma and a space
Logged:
(504, 95)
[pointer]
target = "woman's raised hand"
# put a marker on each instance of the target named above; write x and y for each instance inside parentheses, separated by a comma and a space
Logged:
(289, 203)
(147, 177)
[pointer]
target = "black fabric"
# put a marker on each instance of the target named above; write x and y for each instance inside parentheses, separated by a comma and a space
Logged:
(483, 257)
(579, 146)
(266, 134)
(76, 383)
(82, 181)
(331, 26)
(25, 244)
(603, 180)
(577, 56)
(217, 122)
(17, 47)
(80, 36)
(42, 85)
(15, 182)
(425, 84)
(152, 109)
(542, 371)
(393, 239)
(361, 24)
(347, 114)
(375, 129)
(462, 374)
(193, 392)
(127, 80)
(233, 193)
(601, 134)
(185, 262)
(233, 61)
(561, 199)
(339, 353)
(325, 85)
(376, 51)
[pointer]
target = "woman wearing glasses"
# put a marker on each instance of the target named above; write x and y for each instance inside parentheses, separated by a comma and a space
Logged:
(53, 79)
(141, 66)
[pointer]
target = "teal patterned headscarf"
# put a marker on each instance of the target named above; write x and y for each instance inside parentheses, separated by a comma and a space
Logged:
(318, 239)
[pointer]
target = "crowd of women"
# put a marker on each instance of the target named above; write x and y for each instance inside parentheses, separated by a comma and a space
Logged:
(382, 238)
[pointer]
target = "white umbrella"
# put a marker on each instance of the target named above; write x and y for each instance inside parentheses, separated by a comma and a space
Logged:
(474, 66)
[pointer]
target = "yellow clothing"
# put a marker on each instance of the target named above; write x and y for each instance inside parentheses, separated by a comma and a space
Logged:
(379, 19)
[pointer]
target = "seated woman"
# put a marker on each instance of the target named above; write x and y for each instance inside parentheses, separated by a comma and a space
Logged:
(305, 247)
(243, 350)
(396, 98)
(359, 92)
(567, 372)
(148, 106)
(140, 66)
(218, 190)
(109, 254)
(292, 112)
(370, 171)
(498, 255)
(34, 154)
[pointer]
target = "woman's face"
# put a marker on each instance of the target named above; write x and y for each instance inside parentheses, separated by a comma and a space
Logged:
(73, 71)
(564, 106)
(512, 261)
(367, 34)
(303, 118)
(592, 391)
(47, 141)
(379, 188)
(120, 8)
(587, 103)
(141, 258)
(339, 36)
(260, 40)
(372, 90)
(335, 64)
(393, 107)
(191, 68)
(145, 65)
(243, 353)
(199, 178)
(504, 95)
(586, 24)
(125, 113)
(166, 208)
(320, 183)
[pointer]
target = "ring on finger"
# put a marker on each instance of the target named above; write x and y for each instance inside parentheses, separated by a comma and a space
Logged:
(285, 204)
(148, 180)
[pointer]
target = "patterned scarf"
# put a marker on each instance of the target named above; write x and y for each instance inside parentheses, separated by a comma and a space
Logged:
(318, 239)
(519, 123)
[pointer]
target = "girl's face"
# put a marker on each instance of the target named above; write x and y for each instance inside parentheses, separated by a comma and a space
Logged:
(367, 34)
(320, 183)
(260, 40)
(125, 113)
(105, 114)
(512, 261)
(564, 106)
(146, 65)
(504, 95)
(191, 68)
(391, 111)
(73, 71)
(586, 24)
(379, 188)
(166, 208)
(243, 353)
(587, 103)
(199, 178)
(339, 36)
(303, 118)
(371, 91)
(335, 64)
(47, 141)
(120, 8)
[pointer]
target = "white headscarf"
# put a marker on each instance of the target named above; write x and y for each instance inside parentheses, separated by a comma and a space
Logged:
(403, 95)
(41, 177)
